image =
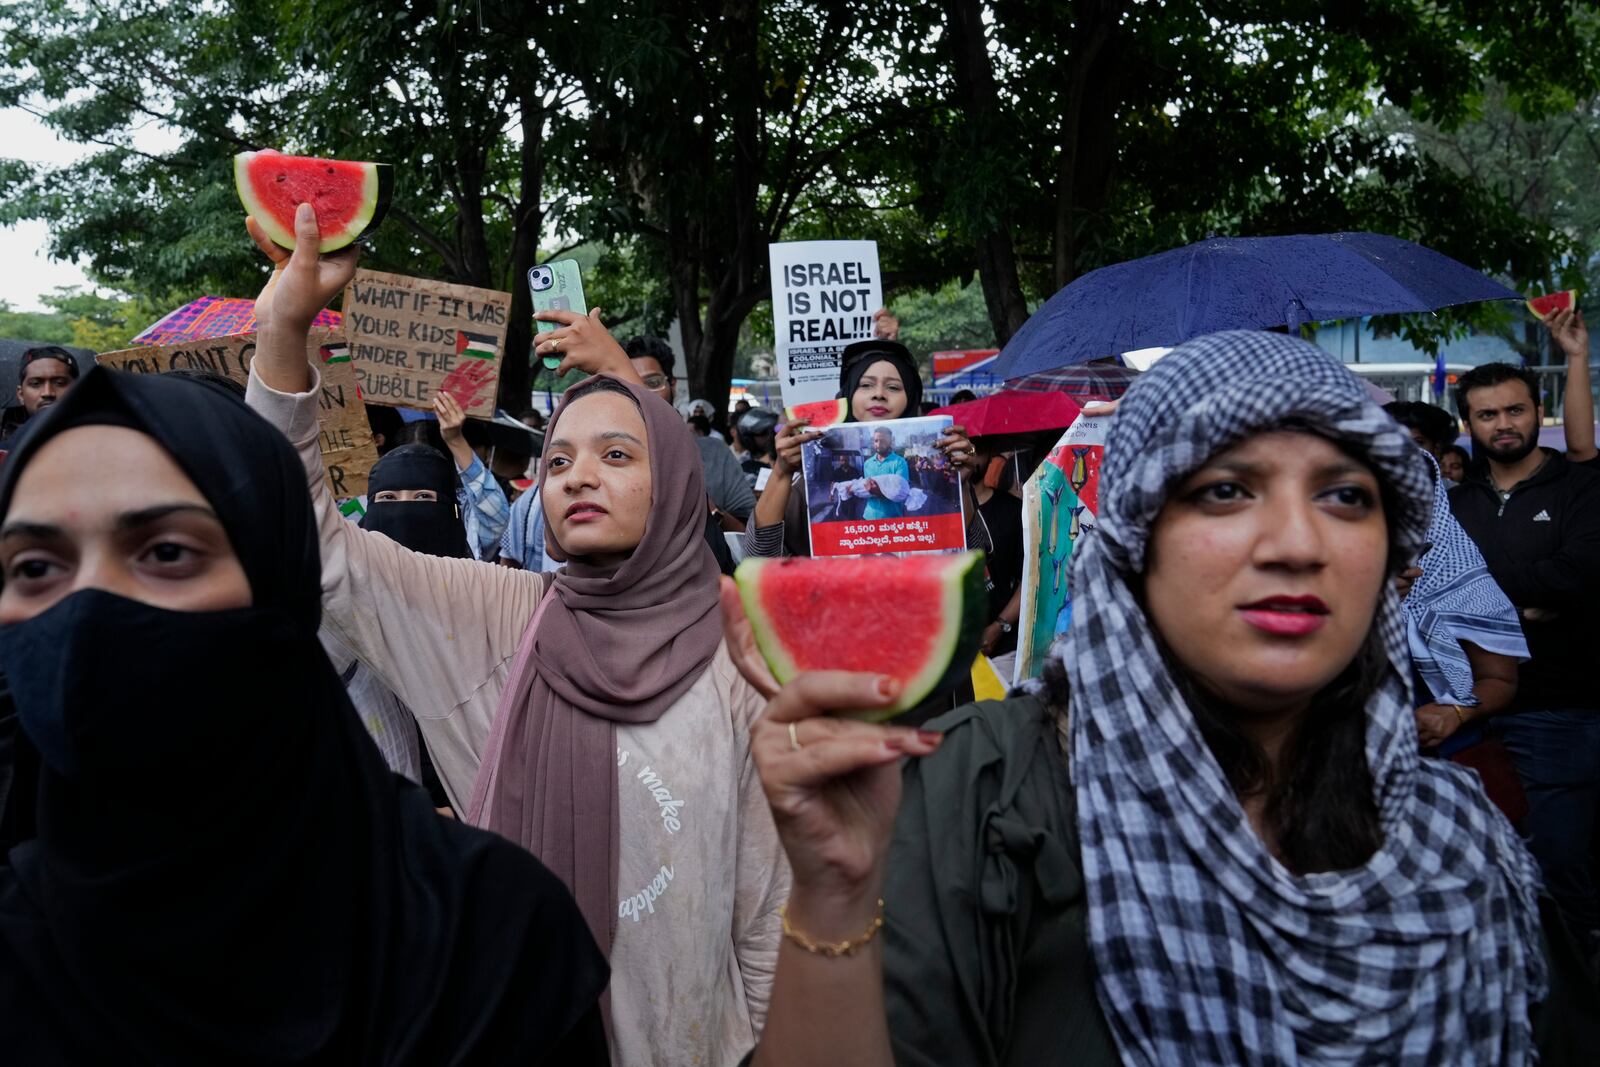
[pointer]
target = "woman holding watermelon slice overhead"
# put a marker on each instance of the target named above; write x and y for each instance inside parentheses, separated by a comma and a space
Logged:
(880, 380)
(591, 715)
(1207, 836)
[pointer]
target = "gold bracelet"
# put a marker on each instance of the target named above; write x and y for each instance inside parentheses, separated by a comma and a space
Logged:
(831, 949)
(1461, 716)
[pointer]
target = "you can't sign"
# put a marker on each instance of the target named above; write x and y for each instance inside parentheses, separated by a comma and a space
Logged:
(346, 437)
(411, 339)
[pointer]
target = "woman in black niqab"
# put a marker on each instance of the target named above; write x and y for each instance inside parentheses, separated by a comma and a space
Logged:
(224, 870)
(433, 527)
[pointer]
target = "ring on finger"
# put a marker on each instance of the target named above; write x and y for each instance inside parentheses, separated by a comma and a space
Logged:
(794, 738)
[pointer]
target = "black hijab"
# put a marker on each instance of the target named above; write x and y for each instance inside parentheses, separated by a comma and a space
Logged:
(857, 357)
(432, 527)
(224, 870)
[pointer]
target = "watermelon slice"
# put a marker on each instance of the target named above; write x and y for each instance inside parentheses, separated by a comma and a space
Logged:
(819, 413)
(350, 198)
(915, 618)
(1543, 306)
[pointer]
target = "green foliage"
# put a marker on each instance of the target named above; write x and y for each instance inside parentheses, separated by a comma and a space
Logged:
(950, 317)
(1008, 145)
(51, 327)
(86, 320)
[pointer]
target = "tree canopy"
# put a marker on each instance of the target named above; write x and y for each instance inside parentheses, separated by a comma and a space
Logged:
(1008, 145)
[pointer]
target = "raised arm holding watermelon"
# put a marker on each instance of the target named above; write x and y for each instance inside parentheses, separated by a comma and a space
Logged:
(1571, 336)
(302, 284)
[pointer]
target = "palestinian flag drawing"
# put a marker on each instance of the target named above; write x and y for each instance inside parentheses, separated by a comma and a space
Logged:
(476, 345)
(338, 352)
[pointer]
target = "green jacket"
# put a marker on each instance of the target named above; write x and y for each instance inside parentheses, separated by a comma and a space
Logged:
(986, 951)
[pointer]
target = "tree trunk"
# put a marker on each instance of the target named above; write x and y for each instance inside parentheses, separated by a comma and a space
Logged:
(686, 302)
(1002, 291)
(1088, 126)
(471, 237)
(977, 96)
(710, 369)
(516, 365)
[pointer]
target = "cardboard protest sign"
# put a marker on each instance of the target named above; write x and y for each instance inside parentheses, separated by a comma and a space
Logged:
(882, 487)
(1059, 504)
(347, 449)
(411, 339)
(823, 297)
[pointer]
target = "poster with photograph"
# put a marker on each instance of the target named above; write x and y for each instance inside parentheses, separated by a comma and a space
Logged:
(883, 487)
(1058, 507)
(823, 296)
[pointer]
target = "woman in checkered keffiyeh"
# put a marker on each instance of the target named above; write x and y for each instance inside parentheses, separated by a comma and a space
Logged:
(1352, 903)
(1207, 838)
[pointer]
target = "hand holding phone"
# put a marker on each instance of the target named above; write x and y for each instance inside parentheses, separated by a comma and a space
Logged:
(556, 286)
(582, 343)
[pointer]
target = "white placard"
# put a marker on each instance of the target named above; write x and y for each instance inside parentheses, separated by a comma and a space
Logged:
(823, 297)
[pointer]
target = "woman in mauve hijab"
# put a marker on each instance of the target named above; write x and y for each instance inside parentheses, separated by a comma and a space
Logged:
(223, 869)
(591, 715)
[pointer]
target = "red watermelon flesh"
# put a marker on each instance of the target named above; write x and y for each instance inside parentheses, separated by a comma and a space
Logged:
(1543, 306)
(818, 413)
(917, 618)
(350, 198)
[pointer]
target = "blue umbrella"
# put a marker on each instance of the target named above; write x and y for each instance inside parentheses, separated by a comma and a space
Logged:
(1238, 283)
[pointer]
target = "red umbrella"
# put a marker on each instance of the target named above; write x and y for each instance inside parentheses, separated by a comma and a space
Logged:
(1010, 411)
(1085, 381)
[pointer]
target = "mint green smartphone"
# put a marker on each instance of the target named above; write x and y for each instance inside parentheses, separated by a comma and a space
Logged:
(556, 286)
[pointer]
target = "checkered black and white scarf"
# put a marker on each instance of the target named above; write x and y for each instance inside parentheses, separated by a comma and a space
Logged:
(1207, 950)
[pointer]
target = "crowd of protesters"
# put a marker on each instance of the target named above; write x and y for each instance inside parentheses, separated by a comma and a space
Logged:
(1312, 778)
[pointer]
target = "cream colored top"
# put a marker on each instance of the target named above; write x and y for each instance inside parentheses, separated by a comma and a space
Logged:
(701, 872)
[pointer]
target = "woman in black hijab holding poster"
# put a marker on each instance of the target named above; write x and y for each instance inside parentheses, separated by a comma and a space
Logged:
(880, 380)
(224, 870)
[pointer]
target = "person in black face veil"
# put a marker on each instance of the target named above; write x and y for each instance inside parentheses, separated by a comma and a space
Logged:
(224, 871)
(411, 498)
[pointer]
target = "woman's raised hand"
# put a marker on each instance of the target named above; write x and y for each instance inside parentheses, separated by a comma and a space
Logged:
(584, 344)
(885, 326)
(451, 417)
(833, 783)
(958, 449)
(787, 445)
(303, 281)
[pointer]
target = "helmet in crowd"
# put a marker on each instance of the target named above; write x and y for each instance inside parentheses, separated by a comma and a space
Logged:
(757, 421)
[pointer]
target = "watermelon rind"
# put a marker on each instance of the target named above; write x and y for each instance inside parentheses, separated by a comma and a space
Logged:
(376, 193)
(956, 647)
(1542, 307)
(819, 414)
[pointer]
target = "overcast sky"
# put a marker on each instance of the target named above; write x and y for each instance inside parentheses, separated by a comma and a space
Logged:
(25, 272)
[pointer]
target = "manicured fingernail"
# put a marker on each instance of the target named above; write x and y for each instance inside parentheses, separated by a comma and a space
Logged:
(888, 686)
(929, 737)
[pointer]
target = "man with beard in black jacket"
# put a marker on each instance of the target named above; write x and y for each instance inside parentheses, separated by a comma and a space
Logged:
(1536, 518)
